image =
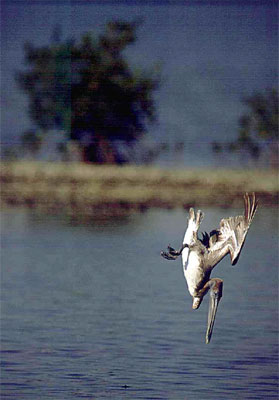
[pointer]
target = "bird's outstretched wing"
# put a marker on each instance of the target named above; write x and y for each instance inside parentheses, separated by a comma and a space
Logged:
(230, 237)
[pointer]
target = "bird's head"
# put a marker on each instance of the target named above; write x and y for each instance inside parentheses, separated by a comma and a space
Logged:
(196, 302)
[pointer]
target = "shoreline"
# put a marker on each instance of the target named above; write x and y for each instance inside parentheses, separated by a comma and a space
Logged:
(85, 190)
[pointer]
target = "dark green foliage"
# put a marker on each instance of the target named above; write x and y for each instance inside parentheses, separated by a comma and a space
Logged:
(87, 87)
(258, 127)
(31, 141)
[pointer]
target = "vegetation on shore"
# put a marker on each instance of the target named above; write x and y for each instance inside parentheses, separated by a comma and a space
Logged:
(86, 190)
(88, 89)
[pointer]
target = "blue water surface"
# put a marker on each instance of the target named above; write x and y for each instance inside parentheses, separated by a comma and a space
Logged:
(92, 311)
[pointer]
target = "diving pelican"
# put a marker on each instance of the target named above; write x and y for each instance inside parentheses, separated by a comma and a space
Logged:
(199, 256)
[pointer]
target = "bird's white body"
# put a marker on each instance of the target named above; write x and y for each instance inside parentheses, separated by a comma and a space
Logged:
(199, 256)
(193, 272)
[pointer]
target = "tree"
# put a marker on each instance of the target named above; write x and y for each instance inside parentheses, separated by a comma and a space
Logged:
(88, 89)
(31, 142)
(258, 127)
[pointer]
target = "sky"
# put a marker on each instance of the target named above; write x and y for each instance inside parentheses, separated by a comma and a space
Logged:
(212, 55)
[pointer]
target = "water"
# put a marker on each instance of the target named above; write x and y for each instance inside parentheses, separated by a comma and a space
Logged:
(94, 312)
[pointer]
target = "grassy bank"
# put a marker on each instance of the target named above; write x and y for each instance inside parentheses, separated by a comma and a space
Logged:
(79, 189)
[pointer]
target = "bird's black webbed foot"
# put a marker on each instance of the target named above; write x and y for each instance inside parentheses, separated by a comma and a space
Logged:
(172, 254)
(168, 256)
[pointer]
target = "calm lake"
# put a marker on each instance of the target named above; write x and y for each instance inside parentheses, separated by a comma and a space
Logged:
(94, 312)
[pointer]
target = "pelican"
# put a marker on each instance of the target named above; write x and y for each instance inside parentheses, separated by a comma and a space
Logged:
(200, 256)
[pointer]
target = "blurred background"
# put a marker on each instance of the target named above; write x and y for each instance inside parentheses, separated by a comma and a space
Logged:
(190, 83)
(116, 117)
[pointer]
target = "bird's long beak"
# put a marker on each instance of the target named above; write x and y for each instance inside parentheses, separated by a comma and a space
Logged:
(213, 305)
